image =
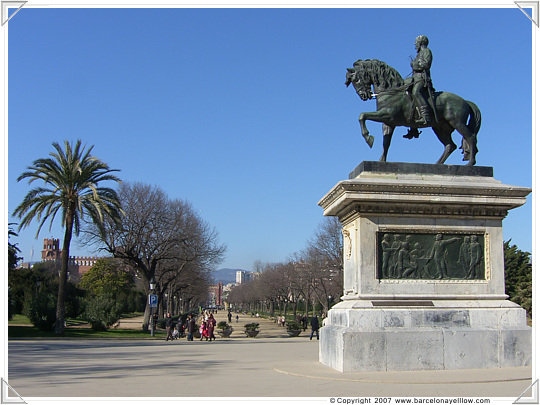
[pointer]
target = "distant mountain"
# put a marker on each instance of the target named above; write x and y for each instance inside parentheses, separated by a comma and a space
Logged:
(225, 276)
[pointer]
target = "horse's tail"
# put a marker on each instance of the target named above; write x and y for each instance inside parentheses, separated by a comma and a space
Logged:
(475, 118)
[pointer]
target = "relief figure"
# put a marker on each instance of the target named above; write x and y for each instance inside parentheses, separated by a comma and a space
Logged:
(396, 246)
(439, 255)
(476, 258)
(386, 252)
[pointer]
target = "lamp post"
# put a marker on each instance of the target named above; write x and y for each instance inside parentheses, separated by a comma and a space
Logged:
(152, 288)
(329, 304)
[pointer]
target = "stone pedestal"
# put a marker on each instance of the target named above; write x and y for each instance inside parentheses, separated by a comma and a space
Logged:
(423, 271)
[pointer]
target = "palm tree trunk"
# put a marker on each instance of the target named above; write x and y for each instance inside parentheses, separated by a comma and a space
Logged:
(61, 303)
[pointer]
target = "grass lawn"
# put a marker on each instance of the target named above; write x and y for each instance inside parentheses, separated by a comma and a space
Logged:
(21, 327)
(17, 332)
(20, 320)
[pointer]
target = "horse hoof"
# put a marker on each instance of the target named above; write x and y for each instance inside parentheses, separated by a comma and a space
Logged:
(370, 140)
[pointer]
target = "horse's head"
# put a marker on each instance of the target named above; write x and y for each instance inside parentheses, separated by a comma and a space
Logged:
(355, 76)
(350, 76)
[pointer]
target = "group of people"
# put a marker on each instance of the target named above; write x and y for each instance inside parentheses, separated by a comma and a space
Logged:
(208, 324)
(280, 320)
(206, 329)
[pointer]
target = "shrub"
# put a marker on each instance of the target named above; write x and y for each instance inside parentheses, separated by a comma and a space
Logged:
(161, 323)
(102, 312)
(41, 310)
(518, 276)
(293, 325)
(251, 326)
(223, 325)
(11, 304)
(132, 301)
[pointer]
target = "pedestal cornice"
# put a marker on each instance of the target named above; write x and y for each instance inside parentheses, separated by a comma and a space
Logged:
(420, 194)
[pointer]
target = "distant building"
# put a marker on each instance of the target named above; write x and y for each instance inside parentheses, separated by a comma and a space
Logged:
(215, 295)
(77, 265)
(243, 276)
(226, 290)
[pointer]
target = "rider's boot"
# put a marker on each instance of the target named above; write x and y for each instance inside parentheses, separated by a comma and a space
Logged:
(412, 133)
(425, 117)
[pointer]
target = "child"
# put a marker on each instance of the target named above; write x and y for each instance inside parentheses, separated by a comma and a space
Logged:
(204, 330)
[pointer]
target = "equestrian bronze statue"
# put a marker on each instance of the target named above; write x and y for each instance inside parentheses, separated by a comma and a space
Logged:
(415, 104)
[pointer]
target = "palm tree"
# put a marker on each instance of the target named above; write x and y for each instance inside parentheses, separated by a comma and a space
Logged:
(13, 250)
(71, 180)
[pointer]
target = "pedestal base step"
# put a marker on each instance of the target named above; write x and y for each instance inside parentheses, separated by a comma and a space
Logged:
(348, 349)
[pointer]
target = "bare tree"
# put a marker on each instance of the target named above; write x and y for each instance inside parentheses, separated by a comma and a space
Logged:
(314, 275)
(159, 238)
(324, 259)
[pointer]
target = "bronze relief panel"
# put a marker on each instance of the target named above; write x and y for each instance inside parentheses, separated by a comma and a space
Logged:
(431, 255)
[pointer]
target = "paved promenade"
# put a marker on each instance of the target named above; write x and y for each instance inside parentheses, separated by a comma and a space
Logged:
(270, 365)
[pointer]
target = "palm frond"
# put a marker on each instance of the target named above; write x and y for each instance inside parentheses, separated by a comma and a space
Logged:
(71, 177)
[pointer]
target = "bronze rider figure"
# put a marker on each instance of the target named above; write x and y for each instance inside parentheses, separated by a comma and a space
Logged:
(422, 89)
(422, 79)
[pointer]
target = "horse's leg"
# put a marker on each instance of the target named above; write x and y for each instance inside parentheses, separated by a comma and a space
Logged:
(378, 116)
(444, 133)
(462, 128)
(365, 133)
(457, 117)
(387, 138)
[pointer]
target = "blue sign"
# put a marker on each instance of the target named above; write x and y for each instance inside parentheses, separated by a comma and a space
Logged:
(152, 301)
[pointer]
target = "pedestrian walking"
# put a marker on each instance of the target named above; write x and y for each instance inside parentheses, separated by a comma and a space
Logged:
(180, 328)
(155, 318)
(314, 327)
(304, 323)
(229, 317)
(204, 330)
(169, 326)
(190, 327)
(210, 327)
(237, 317)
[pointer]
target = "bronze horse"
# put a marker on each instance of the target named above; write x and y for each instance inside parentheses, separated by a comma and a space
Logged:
(396, 108)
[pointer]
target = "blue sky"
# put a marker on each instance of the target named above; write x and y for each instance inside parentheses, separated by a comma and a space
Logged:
(243, 111)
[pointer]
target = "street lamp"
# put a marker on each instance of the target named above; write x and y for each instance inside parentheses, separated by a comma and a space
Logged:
(152, 288)
(329, 303)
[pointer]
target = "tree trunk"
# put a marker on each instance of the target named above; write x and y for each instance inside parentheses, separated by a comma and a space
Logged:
(61, 302)
(146, 320)
(170, 308)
